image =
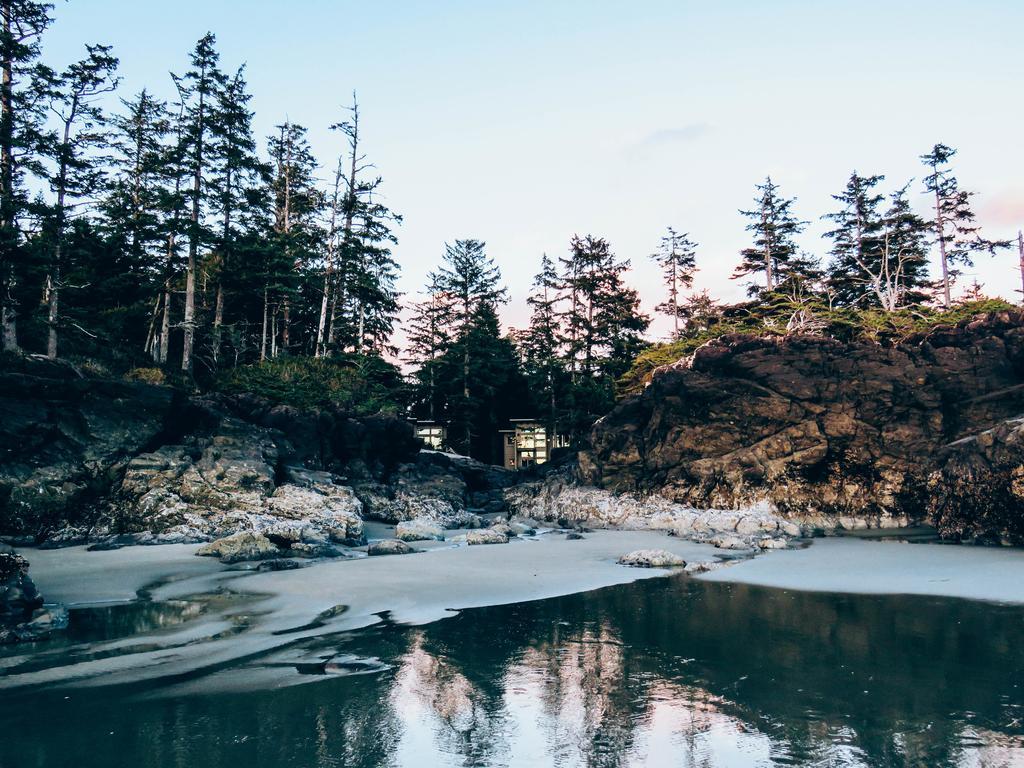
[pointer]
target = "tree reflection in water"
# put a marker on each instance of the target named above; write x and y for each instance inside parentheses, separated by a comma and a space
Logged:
(664, 672)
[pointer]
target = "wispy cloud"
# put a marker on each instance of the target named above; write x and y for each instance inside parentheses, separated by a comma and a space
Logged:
(686, 133)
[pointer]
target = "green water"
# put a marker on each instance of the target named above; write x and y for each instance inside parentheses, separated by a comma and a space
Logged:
(665, 672)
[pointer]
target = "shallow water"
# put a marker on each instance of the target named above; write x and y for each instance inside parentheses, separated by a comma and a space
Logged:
(665, 672)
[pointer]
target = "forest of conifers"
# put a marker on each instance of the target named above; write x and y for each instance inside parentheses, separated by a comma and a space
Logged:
(164, 240)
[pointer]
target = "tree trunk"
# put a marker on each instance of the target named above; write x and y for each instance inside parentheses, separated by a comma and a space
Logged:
(940, 228)
(8, 234)
(193, 240)
(165, 325)
(218, 319)
(1020, 250)
(263, 332)
(285, 322)
(54, 278)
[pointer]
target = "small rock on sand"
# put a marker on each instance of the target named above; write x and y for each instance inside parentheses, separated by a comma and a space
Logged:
(486, 536)
(419, 530)
(239, 547)
(651, 558)
(389, 547)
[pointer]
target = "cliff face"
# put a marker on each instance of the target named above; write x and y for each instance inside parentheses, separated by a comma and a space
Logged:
(929, 429)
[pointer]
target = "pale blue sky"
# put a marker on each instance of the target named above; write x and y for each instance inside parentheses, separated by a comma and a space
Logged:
(521, 123)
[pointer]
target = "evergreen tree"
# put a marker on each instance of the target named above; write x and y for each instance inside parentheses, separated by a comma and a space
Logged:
(428, 337)
(953, 225)
(201, 84)
(469, 281)
(237, 173)
(297, 234)
(360, 273)
(23, 87)
(602, 327)
(540, 346)
(76, 174)
(902, 276)
(372, 276)
(774, 227)
(857, 242)
(137, 180)
(678, 261)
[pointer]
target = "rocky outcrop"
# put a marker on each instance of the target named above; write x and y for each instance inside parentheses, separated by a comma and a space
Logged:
(226, 483)
(64, 439)
(112, 463)
(834, 433)
(559, 500)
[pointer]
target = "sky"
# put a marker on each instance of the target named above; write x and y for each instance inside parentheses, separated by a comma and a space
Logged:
(524, 123)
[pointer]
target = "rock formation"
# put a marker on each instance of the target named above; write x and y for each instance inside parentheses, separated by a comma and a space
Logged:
(832, 433)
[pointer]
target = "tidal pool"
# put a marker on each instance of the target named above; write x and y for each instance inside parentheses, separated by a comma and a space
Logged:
(662, 672)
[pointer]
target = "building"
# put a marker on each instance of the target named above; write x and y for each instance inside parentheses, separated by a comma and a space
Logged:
(434, 434)
(527, 443)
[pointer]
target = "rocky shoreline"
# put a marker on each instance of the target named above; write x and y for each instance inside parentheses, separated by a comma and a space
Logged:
(746, 445)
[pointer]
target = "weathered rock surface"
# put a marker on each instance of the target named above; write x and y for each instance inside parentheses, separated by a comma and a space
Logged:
(23, 617)
(861, 433)
(486, 536)
(558, 500)
(64, 438)
(448, 489)
(240, 547)
(219, 485)
(18, 594)
(652, 558)
(389, 547)
(419, 530)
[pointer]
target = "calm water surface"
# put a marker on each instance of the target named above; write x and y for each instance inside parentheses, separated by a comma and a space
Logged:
(665, 672)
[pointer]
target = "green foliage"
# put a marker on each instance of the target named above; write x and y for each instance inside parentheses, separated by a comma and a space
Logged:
(363, 385)
(781, 315)
(146, 375)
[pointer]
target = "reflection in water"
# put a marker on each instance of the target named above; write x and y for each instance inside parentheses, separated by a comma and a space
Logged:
(667, 672)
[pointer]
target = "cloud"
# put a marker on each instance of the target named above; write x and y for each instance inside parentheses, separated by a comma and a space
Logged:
(687, 133)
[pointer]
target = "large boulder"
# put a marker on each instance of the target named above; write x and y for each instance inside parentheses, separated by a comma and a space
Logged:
(18, 594)
(826, 430)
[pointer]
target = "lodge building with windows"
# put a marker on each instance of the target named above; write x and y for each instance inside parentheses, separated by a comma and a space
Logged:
(525, 443)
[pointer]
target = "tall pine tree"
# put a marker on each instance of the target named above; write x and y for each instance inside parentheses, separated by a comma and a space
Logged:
(23, 87)
(953, 224)
(677, 257)
(76, 170)
(774, 226)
